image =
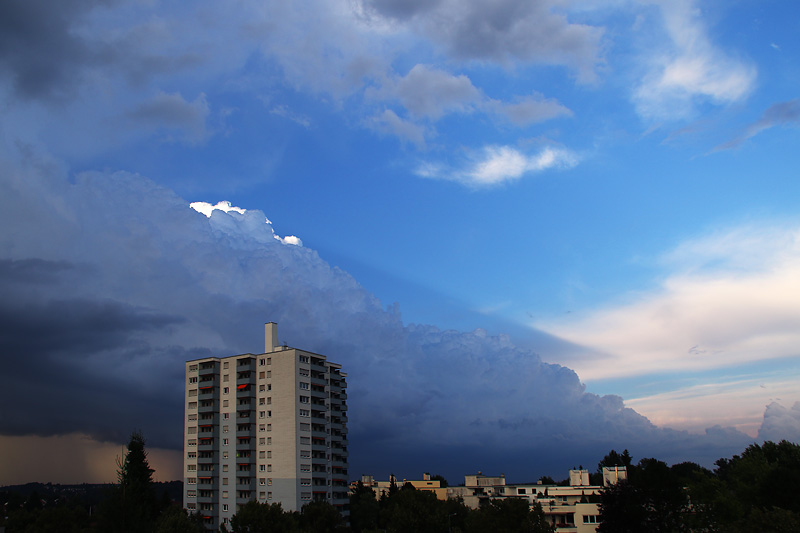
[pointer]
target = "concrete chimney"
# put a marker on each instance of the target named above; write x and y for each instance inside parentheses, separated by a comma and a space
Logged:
(270, 337)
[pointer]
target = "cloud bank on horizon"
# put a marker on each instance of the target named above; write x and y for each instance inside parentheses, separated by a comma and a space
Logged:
(119, 281)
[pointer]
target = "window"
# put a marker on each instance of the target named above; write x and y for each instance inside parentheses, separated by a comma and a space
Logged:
(192, 405)
(262, 427)
(305, 440)
(262, 414)
(304, 359)
(224, 416)
(192, 430)
(305, 412)
(225, 390)
(303, 385)
(191, 468)
(269, 427)
(224, 468)
(224, 506)
(269, 373)
(269, 495)
(262, 441)
(520, 491)
(269, 414)
(305, 468)
(262, 401)
(305, 426)
(192, 392)
(191, 480)
(191, 506)
(191, 455)
(305, 399)
(305, 453)
(193, 379)
(262, 388)
(269, 440)
(262, 454)
(192, 368)
(262, 375)
(269, 468)
(192, 442)
(193, 416)
(224, 442)
(224, 455)
(304, 372)
(262, 481)
(225, 377)
(262, 362)
(591, 519)
(269, 481)
(191, 493)
(269, 454)
(224, 403)
(305, 495)
(224, 429)
(306, 482)
(224, 493)
(262, 468)
(225, 364)
(225, 480)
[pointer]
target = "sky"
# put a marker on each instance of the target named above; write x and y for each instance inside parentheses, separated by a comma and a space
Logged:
(531, 231)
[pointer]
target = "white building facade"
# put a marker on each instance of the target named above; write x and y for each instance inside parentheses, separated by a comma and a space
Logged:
(269, 427)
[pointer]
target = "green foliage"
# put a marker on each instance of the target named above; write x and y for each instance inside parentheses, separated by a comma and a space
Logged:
(509, 515)
(254, 517)
(364, 509)
(320, 517)
(440, 478)
(175, 519)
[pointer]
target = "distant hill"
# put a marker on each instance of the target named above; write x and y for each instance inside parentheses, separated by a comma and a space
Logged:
(87, 493)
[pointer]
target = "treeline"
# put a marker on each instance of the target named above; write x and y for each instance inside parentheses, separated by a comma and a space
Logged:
(755, 491)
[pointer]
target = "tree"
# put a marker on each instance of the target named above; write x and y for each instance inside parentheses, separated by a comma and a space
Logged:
(174, 519)
(508, 515)
(440, 478)
(364, 509)
(320, 517)
(131, 506)
(254, 517)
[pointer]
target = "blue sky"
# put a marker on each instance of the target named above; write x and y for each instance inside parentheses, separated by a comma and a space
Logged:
(608, 186)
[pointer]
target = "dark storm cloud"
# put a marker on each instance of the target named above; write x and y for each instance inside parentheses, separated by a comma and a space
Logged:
(119, 283)
(38, 50)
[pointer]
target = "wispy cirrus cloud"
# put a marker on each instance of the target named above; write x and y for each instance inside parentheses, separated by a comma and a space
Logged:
(691, 68)
(780, 114)
(729, 299)
(494, 165)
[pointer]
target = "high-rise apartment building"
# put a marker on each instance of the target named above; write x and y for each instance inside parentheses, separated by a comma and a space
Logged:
(270, 427)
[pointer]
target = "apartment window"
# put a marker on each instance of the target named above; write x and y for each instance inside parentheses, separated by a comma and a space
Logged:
(225, 365)
(269, 373)
(224, 429)
(305, 495)
(305, 412)
(305, 453)
(269, 468)
(193, 379)
(262, 375)
(269, 481)
(305, 440)
(262, 414)
(269, 440)
(304, 359)
(225, 480)
(192, 392)
(192, 430)
(304, 385)
(304, 426)
(225, 507)
(224, 468)
(262, 427)
(269, 427)
(192, 417)
(191, 493)
(262, 388)
(304, 372)
(269, 414)
(191, 468)
(262, 454)
(192, 442)
(192, 405)
(591, 519)
(224, 403)
(262, 362)
(305, 399)
(269, 495)
(305, 468)
(191, 480)
(191, 455)
(224, 455)
(269, 454)
(192, 368)
(262, 401)
(225, 493)
(191, 506)
(306, 482)
(225, 442)
(225, 390)
(225, 377)
(269, 400)
(261, 440)
(224, 416)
